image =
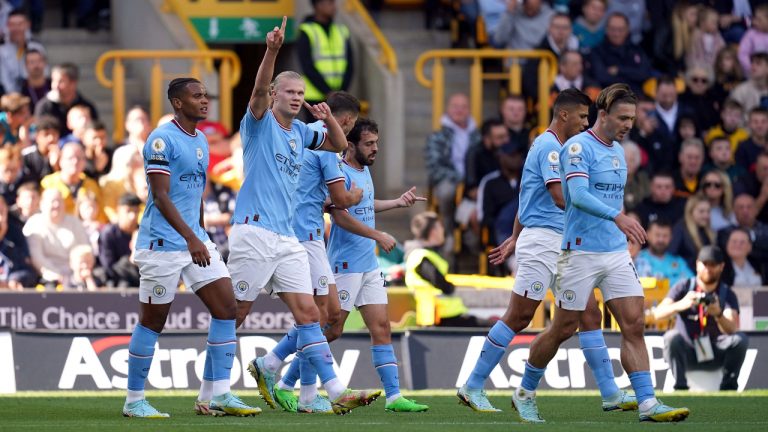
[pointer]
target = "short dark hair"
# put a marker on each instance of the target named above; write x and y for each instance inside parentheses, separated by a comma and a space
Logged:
(569, 98)
(661, 223)
(758, 110)
(665, 79)
(362, 124)
(18, 12)
(620, 15)
(47, 122)
(741, 230)
(177, 86)
(69, 69)
(342, 102)
(760, 55)
(613, 95)
(489, 124)
(96, 125)
(663, 173)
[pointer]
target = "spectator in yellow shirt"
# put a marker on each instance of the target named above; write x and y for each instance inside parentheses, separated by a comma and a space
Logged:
(71, 180)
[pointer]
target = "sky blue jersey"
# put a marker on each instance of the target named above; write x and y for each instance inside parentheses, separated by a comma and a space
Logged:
(171, 151)
(669, 266)
(542, 168)
(272, 157)
(603, 166)
(318, 169)
(347, 252)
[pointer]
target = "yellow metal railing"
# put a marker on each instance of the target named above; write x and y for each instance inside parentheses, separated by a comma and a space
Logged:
(547, 71)
(387, 57)
(229, 76)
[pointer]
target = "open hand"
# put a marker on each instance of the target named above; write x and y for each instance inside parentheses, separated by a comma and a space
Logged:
(502, 252)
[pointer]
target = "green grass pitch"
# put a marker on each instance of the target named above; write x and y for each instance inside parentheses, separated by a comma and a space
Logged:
(564, 411)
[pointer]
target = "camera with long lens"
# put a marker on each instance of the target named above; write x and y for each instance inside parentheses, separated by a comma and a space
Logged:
(706, 299)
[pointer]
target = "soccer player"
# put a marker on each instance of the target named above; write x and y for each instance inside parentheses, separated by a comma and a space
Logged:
(264, 250)
(352, 254)
(594, 253)
(173, 244)
(538, 234)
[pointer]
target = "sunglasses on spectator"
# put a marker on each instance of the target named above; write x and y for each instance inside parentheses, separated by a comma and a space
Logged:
(713, 185)
(699, 80)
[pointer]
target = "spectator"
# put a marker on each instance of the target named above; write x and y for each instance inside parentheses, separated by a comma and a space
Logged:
(686, 128)
(706, 41)
(71, 180)
(731, 118)
(667, 111)
(16, 269)
(37, 85)
(98, 156)
(693, 232)
(27, 201)
(638, 184)
(444, 156)
(746, 218)
(751, 92)
(721, 159)
(115, 240)
(51, 235)
(425, 272)
(78, 118)
(492, 11)
(707, 313)
(698, 95)
(482, 155)
(617, 59)
(589, 27)
(755, 40)
(559, 39)
(40, 159)
(10, 173)
(728, 73)
(126, 160)
(523, 26)
(739, 271)
(691, 158)
(571, 75)
(218, 144)
(63, 96)
(634, 12)
(734, 18)
(498, 193)
(324, 50)
(513, 115)
(645, 133)
(661, 204)
(15, 115)
(12, 52)
(716, 187)
(756, 185)
(89, 213)
(757, 143)
(684, 21)
(654, 261)
(138, 128)
(81, 276)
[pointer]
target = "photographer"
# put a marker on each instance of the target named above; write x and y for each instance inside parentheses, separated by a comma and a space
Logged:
(706, 330)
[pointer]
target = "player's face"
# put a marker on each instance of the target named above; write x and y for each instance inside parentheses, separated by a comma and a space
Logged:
(193, 104)
(366, 149)
(619, 121)
(288, 97)
(577, 119)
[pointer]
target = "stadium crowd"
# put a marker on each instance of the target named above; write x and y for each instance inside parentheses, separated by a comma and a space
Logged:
(698, 152)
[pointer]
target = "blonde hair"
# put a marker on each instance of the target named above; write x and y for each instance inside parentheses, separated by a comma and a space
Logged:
(690, 225)
(681, 33)
(81, 251)
(613, 95)
(285, 75)
(726, 201)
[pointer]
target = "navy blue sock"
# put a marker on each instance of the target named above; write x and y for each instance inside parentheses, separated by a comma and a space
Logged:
(494, 347)
(593, 346)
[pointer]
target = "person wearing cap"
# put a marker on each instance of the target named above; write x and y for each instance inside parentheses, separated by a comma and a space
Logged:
(706, 334)
(14, 116)
(497, 194)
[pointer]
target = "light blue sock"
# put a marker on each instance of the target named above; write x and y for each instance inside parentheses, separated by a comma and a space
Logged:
(208, 367)
(314, 345)
(643, 385)
(295, 370)
(305, 369)
(221, 346)
(140, 353)
(494, 347)
(287, 344)
(386, 366)
(593, 346)
(531, 377)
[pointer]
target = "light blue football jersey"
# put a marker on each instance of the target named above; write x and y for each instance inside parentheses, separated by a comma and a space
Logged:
(347, 252)
(170, 150)
(542, 167)
(603, 164)
(272, 157)
(318, 169)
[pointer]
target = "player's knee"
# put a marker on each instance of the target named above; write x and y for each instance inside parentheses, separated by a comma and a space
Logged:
(241, 312)
(633, 327)
(334, 315)
(518, 320)
(306, 312)
(334, 331)
(591, 320)
(565, 330)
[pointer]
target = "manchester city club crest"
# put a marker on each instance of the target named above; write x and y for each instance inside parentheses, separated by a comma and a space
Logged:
(323, 281)
(158, 145)
(537, 286)
(343, 296)
(242, 286)
(574, 149)
(292, 143)
(615, 163)
(158, 290)
(199, 153)
(553, 157)
(569, 295)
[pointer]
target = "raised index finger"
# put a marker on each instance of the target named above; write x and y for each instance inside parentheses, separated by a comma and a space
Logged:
(418, 198)
(282, 26)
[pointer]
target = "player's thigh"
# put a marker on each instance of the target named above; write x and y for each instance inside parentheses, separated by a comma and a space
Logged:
(377, 321)
(621, 288)
(291, 273)
(373, 290)
(349, 286)
(320, 272)
(577, 276)
(537, 253)
(159, 274)
(196, 277)
(252, 260)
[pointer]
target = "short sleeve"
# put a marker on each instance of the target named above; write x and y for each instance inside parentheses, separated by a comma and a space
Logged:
(330, 166)
(549, 164)
(678, 291)
(158, 153)
(313, 137)
(731, 301)
(249, 124)
(574, 160)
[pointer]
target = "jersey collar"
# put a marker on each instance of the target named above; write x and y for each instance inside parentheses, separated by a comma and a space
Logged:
(556, 137)
(356, 169)
(182, 129)
(594, 135)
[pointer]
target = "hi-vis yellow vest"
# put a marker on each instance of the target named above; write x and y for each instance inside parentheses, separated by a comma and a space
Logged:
(329, 53)
(427, 296)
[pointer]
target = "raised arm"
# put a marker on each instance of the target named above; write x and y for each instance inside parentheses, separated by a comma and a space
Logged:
(260, 95)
